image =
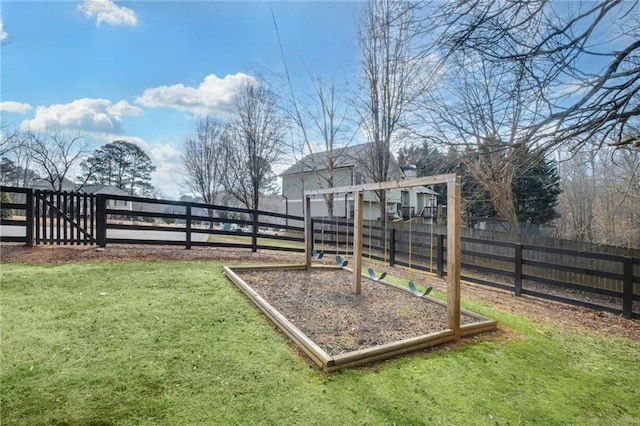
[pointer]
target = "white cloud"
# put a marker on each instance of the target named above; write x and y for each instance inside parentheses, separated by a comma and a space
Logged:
(3, 34)
(167, 179)
(123, 108)
(212, 97)
(16, 107)
(163, 153)
(85, 115)
(107, 11)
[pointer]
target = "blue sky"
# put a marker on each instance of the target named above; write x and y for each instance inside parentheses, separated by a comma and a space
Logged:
(146, 71)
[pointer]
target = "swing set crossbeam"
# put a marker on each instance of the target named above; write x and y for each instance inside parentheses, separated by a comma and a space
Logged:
(381, 186)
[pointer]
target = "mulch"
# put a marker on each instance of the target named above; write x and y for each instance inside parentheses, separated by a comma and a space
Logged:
(321, 304)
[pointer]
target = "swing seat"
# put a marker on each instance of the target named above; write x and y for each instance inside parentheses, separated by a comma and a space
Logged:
(317, 254)
(372, 275)
(341, 262)
(415, 291)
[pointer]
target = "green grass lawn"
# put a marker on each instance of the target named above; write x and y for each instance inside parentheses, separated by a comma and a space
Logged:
(175, 343)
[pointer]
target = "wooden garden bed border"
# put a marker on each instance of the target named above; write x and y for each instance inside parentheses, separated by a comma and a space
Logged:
(358, 357)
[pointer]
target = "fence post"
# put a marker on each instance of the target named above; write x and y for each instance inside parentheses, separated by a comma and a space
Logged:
(188, 226)
(38, 218)
(313, 234)
(254, 232)
(101, 220)
(627, 287)
(392, 247)
(29, 213)
(518, 269)
(440, 254)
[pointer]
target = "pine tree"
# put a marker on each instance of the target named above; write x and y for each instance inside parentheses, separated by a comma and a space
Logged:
(121, 164)
(536, 192)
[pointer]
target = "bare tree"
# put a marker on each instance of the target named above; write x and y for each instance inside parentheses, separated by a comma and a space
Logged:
(203, 161)
(55, 152)
(321, 125)
(482, 108)
(582, 59)
(10, 139)
(394, 76)
(253, 141)
(578, 199)
(16, 155)
(600, 196)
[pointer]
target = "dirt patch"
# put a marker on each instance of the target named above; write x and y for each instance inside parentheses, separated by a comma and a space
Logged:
(539, 310)
(322, 305)
(63, 254)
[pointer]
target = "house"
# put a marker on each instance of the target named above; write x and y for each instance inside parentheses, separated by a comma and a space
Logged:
(418, 201)
(182, 210)
(350, 169)
(46, 185)
(109, 190)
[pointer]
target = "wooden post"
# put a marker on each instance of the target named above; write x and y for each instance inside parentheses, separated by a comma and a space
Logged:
(453, 255)
(518, 269)
(440, 254)
(627, 287)
(38, 217)
(58, 203)
(101, 220)
(30, 221)
(188, 227)
(63, 209)
(357, 242)
(308, 231)
(392, 247)
(313, 235)
(254, 231)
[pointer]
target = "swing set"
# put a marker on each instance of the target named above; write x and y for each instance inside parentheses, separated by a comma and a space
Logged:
(343, 262)
(357, 192)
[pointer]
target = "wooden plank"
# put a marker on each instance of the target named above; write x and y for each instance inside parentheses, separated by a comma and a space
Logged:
(308, 232)
(453, 256)
(574, 253)
(381, 186)
(319, 356)
(357, 242)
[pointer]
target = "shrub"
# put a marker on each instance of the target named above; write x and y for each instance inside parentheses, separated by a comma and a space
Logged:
(5, 213)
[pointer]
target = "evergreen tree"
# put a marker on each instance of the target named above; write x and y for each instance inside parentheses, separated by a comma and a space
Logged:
(5, 213)
(12, 174)
(121, 164)
(536, 192)
(535, 186)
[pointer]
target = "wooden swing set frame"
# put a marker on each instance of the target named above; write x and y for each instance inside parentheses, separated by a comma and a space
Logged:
(453, 232)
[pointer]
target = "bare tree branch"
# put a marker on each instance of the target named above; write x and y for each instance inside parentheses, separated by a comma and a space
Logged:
(583, 58)
(55, 152)
(253, 141)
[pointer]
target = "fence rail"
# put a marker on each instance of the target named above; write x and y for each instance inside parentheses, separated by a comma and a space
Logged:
(607, 282)
(610, 282)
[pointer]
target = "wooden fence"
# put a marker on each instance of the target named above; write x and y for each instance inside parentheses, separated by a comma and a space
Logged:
(74, 218)
(597, 280)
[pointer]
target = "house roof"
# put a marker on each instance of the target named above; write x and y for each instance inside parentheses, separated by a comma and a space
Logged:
(425, 190)
(347, 156)
(45, 184)
(103, 189)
